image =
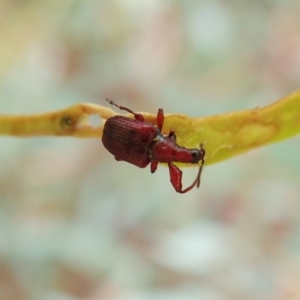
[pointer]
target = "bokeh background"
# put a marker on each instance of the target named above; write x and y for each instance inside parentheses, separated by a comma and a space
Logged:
(76, 224)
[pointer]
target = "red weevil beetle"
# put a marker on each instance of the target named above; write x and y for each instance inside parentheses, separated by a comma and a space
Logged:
(140, 143)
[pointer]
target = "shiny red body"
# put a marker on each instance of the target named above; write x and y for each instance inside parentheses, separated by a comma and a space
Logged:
(129, 140)
(140, 143)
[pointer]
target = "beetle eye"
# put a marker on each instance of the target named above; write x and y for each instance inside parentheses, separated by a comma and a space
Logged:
(195, 154)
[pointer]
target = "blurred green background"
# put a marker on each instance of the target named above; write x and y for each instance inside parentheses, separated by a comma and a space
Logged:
(76, 224)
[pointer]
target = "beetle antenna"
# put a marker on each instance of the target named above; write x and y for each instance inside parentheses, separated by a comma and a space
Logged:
(110, 101)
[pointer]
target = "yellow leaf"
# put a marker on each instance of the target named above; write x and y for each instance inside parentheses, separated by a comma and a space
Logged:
(223, 136)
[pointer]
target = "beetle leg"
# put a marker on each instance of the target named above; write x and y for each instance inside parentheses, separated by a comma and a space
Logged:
(137, 116)
(176, 178)
(172, 134)
(160, 119)
(153, 166)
